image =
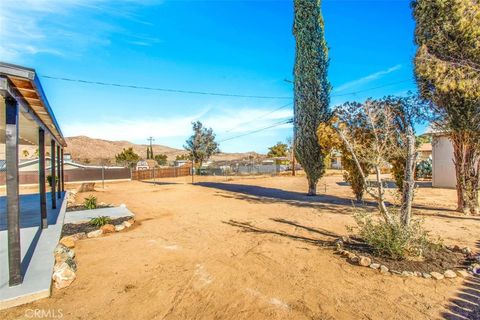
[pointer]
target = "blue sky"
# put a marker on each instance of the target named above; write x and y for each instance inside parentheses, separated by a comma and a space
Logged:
(239, 47)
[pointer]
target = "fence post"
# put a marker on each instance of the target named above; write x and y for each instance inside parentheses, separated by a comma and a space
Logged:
(103, 176)
(154, 182)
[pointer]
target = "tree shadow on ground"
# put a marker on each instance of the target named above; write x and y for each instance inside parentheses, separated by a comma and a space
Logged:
(158, 183)
(466, 303)
(257, 194)
(248, 227)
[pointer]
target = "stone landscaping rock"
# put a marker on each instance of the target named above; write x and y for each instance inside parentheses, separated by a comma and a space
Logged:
(64, 274)
(462, 273)
(119, 227)
(68, 241)
(127, 224)
(417, 274)
(466, 250)
(476, 270)
(364, 261)
(450, 274)
(62, 252)
(426, 275)
(375, 266)
(353, 258)
(345, 253)
(456, 248)
(108, 228)
(383, 269)
(95, 233)
(79, 236)
(437, 276)
(407, 274)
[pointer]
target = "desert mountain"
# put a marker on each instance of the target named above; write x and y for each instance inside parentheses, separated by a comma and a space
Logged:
(88, 150)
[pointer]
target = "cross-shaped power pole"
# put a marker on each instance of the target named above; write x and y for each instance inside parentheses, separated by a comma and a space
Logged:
(151, 140)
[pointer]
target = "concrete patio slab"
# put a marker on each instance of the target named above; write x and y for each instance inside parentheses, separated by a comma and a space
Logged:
(37, 247)
(86, 215)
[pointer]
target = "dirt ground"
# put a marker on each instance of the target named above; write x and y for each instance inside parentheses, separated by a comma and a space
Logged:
(249, 249)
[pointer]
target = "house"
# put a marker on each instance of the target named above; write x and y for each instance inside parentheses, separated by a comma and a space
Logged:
(181, 163)
(26, 118)
(443, 166)
(424, 152)
(336, 160)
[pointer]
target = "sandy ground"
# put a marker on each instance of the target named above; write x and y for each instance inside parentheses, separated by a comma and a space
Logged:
(248, 249)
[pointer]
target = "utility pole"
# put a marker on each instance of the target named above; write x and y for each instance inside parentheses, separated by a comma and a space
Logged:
(150, 139)
(293, 158)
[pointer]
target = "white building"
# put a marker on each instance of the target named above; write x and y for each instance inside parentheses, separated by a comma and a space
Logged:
(443, 167)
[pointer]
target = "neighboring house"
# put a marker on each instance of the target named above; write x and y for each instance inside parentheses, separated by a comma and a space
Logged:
(424, 151)
(181, 163)
(336, 160)
(443, 167)
(142, 165)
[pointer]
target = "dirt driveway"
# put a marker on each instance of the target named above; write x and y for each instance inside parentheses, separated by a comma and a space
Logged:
(247, 249)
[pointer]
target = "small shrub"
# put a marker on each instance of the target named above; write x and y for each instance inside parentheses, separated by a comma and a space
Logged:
(424, 169)
(395, 241)
(90, 202)
(49, 180)
(99, 221)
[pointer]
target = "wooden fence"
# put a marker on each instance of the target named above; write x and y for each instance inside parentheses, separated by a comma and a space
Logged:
(161, 173)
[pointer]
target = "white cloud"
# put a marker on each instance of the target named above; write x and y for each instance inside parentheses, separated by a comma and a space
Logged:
(59, 27)
(178, 126)
(367, 79)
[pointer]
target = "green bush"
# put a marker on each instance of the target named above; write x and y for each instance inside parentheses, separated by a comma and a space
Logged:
(90, 202)
(424, 169)
(49, 180)
(99, 221)
(394, 240)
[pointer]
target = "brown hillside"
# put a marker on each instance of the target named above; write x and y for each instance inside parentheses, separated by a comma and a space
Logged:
(85, 149)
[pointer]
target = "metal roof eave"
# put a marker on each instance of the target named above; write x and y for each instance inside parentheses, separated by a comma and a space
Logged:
(30, 74)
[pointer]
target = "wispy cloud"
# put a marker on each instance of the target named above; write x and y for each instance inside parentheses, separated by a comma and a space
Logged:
(180, 126)
(367, 79)
(63, 28)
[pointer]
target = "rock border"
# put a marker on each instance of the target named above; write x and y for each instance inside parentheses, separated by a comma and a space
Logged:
(65, 268)
(473, 269)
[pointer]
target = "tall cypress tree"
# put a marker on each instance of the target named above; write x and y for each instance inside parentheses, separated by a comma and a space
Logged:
(311, 88)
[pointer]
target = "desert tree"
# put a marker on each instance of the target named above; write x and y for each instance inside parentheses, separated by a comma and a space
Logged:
(331, 143)
(127, 157)
(375, 132)
(447, 69)
(161, 159)
(311, 88)
(201, 145)
(278, 150)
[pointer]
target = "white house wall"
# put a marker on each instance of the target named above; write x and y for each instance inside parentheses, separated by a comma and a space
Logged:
(443, 166)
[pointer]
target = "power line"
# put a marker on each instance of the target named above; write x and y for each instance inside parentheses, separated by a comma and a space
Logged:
(164, 89)
(287, 121)
(369, 89)
(234, 95)
(260, 117)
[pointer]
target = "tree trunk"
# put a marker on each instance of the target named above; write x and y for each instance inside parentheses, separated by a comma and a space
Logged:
(312, 188)
(408, 180)
(467, 169)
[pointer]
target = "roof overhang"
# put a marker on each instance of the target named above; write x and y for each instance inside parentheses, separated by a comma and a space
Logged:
(24, 86)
